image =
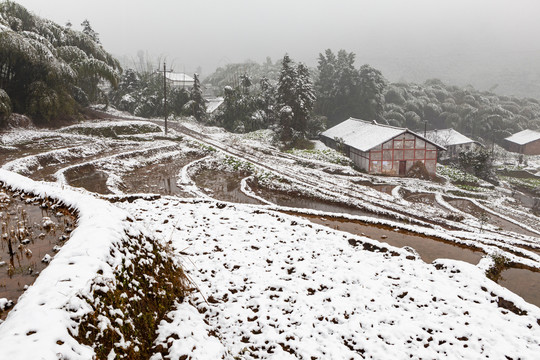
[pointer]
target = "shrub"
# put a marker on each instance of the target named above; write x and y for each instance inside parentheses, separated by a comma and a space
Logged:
(5, 107)
(418, 170)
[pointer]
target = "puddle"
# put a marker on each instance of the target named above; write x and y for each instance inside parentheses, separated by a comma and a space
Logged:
(385, 188)
(296, 200)
(158, 178)
(37, 146)
(524, 282)
(223, 185)
(33, 232)
(89, 178)
(469, 207)
(428, 248)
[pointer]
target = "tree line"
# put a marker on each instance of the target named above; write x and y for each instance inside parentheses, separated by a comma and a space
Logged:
(49, 71)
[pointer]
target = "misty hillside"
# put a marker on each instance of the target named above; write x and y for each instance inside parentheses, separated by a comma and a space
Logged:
(342, 90)
(510, 74)
(229, 75)
(472, 112)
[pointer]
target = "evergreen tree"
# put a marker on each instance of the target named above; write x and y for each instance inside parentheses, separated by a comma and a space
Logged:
(285, 130)
(197, 102)
(245, 82)
(295, 99)
(5, 107)
(266, 102)
(177, 98)
(371, 93)
(306, 98)
(287, 98)
(227, 116)
(287, 85)
(337, 86)
(325, 84)
(87, 29)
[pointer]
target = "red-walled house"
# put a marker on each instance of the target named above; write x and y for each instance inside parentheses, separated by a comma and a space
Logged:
(524, 142)
(382, 149)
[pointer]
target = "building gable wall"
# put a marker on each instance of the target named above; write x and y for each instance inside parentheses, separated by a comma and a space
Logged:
(532, 148)
(402, 151)
(407, 148)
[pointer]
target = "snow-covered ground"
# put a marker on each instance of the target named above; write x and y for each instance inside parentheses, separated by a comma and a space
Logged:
(46, 315)
(275, 286)
(272, 285)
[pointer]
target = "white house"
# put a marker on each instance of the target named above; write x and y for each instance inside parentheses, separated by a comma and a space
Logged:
(180, 80)
(454, 142)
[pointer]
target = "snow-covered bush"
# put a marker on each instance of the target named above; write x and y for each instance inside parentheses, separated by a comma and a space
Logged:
(5, 107)
(48, 69)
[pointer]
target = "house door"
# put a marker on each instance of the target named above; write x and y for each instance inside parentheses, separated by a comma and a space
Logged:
(402, 167)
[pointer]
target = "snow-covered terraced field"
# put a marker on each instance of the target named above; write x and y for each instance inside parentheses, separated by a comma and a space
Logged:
(269, 285)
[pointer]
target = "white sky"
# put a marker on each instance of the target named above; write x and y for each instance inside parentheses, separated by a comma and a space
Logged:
(210, 33)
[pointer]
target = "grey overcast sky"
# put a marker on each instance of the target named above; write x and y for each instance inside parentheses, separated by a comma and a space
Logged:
(400, 37)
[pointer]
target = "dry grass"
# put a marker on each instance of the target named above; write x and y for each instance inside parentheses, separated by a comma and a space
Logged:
(126, 314)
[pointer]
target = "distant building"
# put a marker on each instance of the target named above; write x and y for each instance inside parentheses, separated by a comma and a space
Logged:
(525, 142)
(180, 80)
(453, 141)
(213, 103)
(382, 149)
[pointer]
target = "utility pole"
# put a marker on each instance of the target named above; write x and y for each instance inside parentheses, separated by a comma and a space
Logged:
(165, 92)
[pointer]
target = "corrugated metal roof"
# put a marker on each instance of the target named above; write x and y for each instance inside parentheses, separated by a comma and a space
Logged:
(364, 135)
(524, 137)
(448, 137)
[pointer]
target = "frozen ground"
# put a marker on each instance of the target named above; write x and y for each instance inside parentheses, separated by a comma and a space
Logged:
(272, 285)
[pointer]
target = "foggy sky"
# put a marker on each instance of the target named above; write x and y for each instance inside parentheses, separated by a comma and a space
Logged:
(403, 38)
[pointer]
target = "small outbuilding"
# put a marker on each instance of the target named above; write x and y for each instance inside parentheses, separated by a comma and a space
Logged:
(382, 149)
(525, 142)
(454, 142)
(213, 103)
(180, 80)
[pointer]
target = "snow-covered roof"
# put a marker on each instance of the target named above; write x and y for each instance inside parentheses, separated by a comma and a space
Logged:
(179, 77)
(524, 137)
(364, 135)
(213, 103)
(448, 137)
